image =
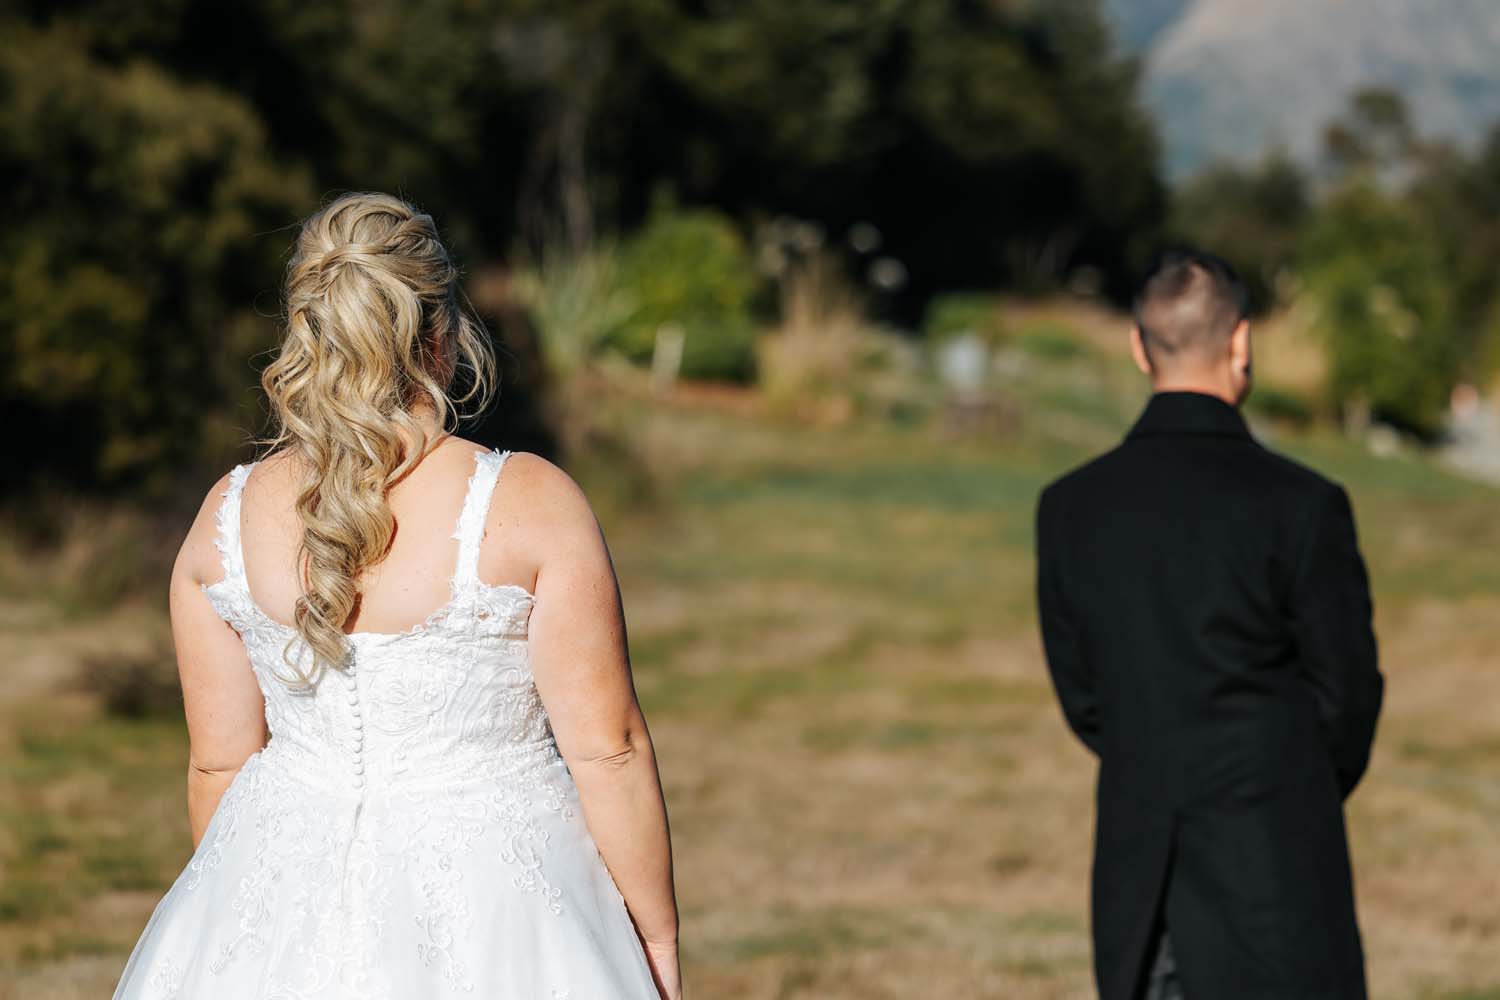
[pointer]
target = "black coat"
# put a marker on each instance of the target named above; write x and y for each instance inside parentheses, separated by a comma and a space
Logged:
(1206, 617)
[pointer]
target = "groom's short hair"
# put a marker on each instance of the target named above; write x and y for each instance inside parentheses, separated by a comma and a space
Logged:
(1188, 303)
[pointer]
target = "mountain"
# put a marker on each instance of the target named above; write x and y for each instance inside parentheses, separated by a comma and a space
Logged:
(1138, 22)
(1228, 79)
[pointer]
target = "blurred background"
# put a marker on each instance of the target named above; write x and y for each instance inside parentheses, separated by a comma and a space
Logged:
(812, 297)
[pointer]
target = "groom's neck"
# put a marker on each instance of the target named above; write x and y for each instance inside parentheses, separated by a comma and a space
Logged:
(1205, 389)
(1200, 383)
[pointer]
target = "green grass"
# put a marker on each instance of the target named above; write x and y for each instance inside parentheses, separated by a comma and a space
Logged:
(92, 806)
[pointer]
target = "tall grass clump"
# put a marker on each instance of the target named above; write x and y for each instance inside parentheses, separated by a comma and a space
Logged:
(576, 300)
(809, 362)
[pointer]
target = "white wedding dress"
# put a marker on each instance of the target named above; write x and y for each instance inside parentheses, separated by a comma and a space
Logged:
(409, 831)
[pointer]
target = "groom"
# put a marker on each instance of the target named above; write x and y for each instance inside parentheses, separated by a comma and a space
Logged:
(1206, 618)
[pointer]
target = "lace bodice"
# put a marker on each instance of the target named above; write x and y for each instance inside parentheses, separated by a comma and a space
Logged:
(450, 698)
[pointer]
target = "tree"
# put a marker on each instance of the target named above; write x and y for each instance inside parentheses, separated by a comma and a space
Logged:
(1457, 194)
(1393, 185)
(1375, 133)
(1253, 217)
(1383, 302)
(989, 143)
(145, 217)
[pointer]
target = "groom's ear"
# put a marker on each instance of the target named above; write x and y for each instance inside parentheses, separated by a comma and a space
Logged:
(1138, 350)
(1239, 348)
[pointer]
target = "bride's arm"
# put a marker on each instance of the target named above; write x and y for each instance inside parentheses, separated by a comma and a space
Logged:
(225, 712)
(582, 670)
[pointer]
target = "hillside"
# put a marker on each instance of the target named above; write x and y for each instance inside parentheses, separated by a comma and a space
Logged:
(1227, 78)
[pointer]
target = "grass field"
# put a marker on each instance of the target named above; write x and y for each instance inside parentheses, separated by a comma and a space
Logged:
(872, 792)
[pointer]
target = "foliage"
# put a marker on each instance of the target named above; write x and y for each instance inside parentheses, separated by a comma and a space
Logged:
(1458, 197)
(156, 154)
(1405, 244)
(1374, 274)
(1253, 217)
(143, 221)
(987, 142)
(962, 313)
(1050, 342)
(1395, 255)
(575, 301)
(1375, 132)
(1275, 403)
(690, 270)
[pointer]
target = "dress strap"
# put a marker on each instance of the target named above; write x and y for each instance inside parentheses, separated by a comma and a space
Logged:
(227, 522)
(470, 528)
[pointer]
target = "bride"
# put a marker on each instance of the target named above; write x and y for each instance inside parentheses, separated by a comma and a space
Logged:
(458, 796)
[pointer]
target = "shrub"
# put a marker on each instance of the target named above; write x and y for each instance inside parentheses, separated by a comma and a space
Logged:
(1380, 299)
(575, 301)
(1050, 342)
(1281, 405)
(690, 269)
(959, 313)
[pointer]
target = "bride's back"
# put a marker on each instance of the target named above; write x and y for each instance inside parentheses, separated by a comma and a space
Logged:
(412, 580)
(449, 695)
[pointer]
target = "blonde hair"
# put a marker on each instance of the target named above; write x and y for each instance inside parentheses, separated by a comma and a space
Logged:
(376, 325)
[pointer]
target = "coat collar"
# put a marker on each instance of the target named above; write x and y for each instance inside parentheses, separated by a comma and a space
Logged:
(1189, 413)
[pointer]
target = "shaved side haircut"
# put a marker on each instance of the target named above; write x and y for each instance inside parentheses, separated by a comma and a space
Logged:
(1188, 305)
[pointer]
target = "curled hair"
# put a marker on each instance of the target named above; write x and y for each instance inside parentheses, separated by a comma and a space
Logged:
(375, 325)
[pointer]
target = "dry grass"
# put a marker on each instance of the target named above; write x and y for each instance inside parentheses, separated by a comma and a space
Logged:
(807, 364)
(1288, 354)
(872, 792)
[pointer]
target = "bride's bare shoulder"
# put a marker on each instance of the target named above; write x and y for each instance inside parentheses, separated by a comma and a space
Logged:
(538, 516)
(536, 489)
(539, 505)
(198, 556)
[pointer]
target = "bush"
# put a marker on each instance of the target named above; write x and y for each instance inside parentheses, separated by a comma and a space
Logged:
(575, 302)
(1381, 300)
(1280, 405)
(693, 270)
(1050, 342)
(960, 313)
(725, 354)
